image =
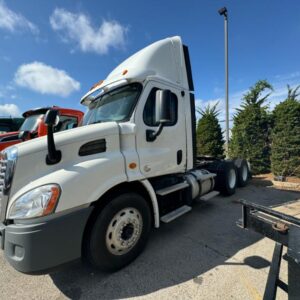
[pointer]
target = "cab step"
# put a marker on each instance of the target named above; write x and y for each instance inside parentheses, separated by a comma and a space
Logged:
(209, 195)
(175, 214)
(172, 188)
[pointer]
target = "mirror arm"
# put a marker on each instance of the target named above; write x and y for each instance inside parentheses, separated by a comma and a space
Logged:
(151, 135)
(53, 156)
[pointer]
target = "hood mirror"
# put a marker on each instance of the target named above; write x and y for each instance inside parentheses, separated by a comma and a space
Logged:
(51, 120)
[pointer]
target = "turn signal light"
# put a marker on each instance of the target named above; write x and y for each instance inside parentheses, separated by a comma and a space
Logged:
(132, 165)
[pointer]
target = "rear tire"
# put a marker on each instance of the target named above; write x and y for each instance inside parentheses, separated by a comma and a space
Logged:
(242, 172)
(226, 180)
(119, 233)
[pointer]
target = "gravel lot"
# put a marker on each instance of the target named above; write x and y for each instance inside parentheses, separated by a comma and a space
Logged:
(202, 255)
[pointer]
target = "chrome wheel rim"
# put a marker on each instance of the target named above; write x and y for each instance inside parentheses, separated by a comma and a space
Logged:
(124, 231)
(232, 178)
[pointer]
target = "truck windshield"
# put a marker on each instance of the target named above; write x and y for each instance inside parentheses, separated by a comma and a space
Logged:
(116, 105)
(30, 123)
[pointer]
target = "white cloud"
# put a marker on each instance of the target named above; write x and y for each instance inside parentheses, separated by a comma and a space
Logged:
(13, 21)
(78, 28)
(9, 110)
(290, 76)
(7, 92)
(45, 79)
(280, 87)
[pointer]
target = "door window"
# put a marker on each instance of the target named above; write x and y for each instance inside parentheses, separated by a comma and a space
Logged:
(65, 122)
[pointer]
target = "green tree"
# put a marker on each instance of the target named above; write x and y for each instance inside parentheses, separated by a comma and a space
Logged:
(285, 158)
(209, 134)
(250, 135)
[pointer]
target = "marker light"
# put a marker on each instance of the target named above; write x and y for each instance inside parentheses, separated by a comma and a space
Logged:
(96, 84)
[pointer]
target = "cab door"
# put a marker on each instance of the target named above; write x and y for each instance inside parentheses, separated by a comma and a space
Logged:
(167, 153)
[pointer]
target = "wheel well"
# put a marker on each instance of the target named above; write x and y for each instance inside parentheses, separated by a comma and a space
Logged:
(126, 187)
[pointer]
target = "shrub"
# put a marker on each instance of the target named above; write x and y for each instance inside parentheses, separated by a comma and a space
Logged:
(285, 158)
(250, 135)
(209, 134)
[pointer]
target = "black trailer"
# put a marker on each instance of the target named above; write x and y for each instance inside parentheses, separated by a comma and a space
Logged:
(8, 124)
(281, 224)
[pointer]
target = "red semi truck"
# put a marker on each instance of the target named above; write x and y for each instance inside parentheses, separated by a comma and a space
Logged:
(34, 125)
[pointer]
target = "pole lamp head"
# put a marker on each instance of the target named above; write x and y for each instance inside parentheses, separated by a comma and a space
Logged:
(223, 11)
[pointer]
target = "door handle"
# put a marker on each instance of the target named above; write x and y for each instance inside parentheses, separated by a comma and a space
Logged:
(179, 157)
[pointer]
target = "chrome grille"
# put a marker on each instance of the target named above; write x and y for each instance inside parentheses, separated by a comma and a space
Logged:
(8, 159)
(3, 166)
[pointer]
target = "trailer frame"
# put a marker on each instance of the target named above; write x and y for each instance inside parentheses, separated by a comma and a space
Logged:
(284, 229)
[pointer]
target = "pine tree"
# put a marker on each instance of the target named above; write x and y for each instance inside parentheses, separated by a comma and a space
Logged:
(285, 157)
(250, 135)
(209, 134)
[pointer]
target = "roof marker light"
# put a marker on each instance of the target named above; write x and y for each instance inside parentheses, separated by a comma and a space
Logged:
(96, 84)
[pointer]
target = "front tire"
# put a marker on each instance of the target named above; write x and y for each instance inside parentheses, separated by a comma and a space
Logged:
(119, 232)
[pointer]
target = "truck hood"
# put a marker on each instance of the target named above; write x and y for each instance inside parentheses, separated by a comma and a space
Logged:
(80, 134)
(9, 134)
(31, 162)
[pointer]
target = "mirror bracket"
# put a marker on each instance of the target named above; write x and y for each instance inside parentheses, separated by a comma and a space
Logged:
(151, 135)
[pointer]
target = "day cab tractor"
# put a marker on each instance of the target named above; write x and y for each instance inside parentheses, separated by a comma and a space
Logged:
(96, 191)
(34, 125)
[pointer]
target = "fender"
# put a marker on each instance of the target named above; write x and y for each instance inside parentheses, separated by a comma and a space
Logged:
(153, 198)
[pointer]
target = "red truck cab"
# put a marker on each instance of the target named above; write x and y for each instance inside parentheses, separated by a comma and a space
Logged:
(34, 125)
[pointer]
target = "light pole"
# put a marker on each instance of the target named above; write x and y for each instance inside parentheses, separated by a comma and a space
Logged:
(223, 12)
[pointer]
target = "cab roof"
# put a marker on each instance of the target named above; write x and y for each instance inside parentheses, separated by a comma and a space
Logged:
(165, 60)
(43, 110)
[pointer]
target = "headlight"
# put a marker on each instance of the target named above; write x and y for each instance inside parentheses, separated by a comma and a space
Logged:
(38, 202)
(10, 153)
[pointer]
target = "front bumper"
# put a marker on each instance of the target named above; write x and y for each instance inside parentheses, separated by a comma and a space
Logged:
(38, 247)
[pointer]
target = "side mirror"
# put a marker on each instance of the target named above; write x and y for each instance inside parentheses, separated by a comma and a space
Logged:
(24, 135)
(51, 119)
(162, 106)
(163, 100)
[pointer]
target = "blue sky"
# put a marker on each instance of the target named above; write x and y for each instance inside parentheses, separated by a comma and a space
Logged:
(52, 52)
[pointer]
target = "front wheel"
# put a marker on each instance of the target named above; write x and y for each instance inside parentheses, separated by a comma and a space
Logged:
(119, 233)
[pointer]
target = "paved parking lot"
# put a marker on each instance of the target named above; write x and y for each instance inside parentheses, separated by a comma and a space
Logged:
(202, 255)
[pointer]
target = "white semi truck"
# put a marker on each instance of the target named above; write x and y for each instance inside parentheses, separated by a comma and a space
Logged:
(97, 190)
